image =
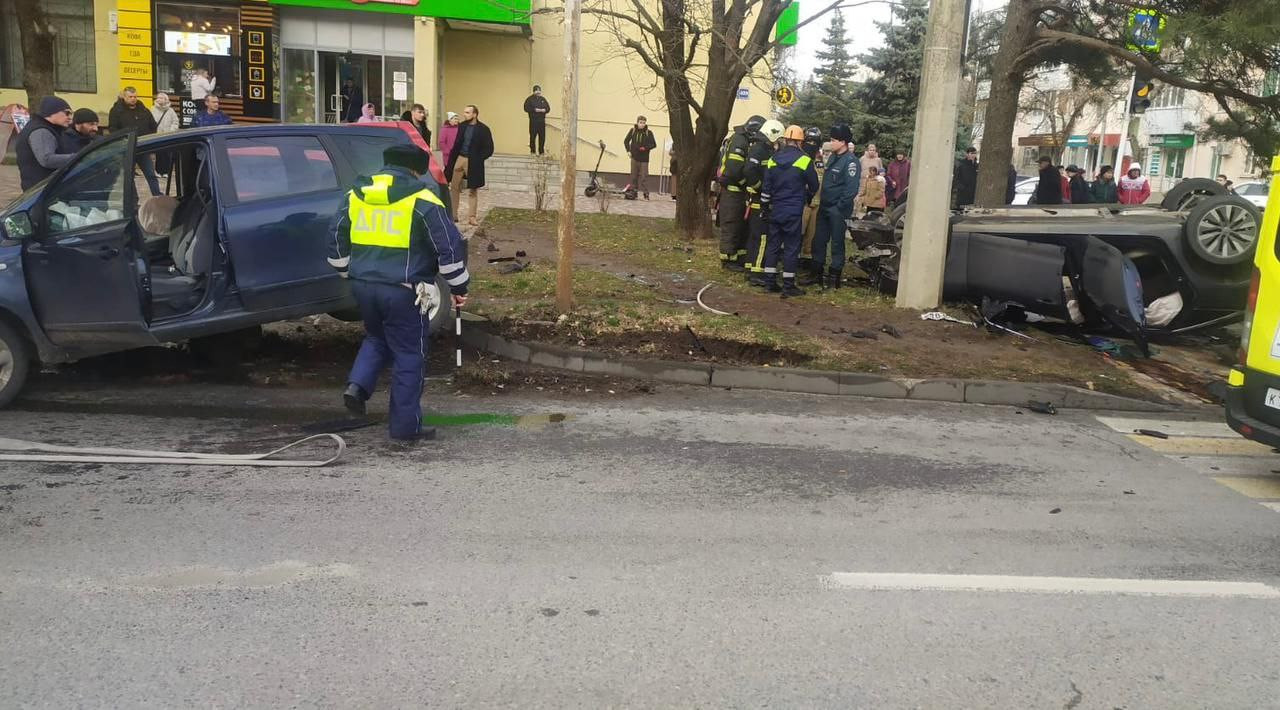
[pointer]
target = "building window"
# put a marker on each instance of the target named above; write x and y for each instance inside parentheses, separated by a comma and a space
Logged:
(74, 57)
(191, 37)
(1175, 160)
(1169, 97)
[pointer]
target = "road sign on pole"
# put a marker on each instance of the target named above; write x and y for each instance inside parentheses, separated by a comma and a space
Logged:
(1145, 30)
(784, 96)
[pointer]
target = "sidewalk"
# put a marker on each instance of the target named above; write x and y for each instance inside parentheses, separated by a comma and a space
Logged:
(660, 206)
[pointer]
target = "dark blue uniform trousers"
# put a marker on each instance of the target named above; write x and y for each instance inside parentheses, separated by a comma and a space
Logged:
(786, 234)
(830, 230)
(395, 333)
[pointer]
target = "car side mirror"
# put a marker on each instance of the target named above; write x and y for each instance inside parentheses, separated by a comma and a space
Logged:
(18, 226)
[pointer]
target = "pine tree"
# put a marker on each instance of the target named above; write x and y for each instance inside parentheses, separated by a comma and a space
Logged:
(827, 98)
(887, 99)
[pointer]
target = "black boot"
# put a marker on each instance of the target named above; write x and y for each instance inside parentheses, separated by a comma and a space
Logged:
(790, 290)
(833, 278)
(353, 398)
(731, 266)
(761, 279)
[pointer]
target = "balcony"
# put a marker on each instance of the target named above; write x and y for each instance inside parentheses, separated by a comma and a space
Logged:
(1167, 121)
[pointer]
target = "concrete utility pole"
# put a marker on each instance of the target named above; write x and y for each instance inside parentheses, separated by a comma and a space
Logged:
(924, 246)
(568, 155)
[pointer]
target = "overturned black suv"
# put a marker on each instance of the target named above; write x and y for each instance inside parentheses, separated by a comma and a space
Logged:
(1180, 266)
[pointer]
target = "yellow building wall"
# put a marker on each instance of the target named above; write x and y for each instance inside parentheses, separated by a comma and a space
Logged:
(107, 69)
(491, 71)
(497, 72)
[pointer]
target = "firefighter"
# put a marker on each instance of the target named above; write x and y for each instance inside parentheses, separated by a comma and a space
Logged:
(391, 237)
(790, 182)
(839, 185)
(758, 157)
(731, 211)
(812, 147)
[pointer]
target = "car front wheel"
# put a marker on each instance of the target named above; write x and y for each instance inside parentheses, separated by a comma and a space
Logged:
(1223, 230)
(15, 363)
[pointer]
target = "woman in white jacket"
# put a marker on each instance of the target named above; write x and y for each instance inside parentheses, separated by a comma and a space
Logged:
(166, 122)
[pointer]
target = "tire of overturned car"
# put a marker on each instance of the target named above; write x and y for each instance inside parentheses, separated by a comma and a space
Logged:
(1223, 230)
(1188, 193)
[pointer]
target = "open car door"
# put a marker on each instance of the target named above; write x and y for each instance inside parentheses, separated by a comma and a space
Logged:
(1110, 280)
(85, 273)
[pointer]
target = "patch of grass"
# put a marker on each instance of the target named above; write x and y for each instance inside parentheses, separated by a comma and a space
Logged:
(654, 243)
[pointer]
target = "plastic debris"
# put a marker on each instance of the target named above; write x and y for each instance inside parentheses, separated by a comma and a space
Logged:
(1042, 407)
(939, 315)
(1154, 433)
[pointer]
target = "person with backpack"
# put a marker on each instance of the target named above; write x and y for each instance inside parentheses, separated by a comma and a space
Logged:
(639, 143)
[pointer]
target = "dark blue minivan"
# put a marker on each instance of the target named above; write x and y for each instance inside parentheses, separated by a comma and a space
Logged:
(91, 263)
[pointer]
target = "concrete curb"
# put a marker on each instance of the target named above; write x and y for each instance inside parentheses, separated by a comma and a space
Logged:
(781, 379)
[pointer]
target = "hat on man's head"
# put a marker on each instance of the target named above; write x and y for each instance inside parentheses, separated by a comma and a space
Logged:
(51, 105)
(85, 115)
(405, 155)
(841, 132)
(1074, 169)
(537, 88)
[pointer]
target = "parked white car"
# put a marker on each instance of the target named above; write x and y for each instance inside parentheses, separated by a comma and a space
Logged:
(1023, 191)
(1255, 192)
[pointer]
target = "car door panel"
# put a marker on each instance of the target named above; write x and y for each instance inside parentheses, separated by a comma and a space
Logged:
(283, 193)
(85, 274)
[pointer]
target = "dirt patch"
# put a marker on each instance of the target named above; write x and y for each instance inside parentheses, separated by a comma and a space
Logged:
(679, 345)
(854, 328)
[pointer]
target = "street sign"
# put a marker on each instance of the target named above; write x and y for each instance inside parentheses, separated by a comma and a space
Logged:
(744, 94)
(1145, 30)
(784, 96)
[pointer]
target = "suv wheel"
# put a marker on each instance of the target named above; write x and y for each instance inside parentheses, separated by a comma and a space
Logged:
(1188, 193)
(15, 363)
(1223, 230)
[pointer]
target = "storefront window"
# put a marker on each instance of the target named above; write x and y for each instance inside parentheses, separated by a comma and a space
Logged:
(397, 86)
(299, 86)
(1175, 160)
(75, 65)
(192, 37)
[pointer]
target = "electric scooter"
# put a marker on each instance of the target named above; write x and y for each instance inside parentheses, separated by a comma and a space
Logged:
(597, 184)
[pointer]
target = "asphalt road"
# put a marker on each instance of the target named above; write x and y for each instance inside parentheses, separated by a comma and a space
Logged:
(686, 548)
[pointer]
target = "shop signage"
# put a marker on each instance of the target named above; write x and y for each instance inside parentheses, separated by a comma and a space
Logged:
(508, 11)
(1078, 141)
(1174, 141)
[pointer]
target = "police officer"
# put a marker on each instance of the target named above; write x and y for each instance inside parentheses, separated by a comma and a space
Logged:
(758, 156)
(731, 212)
(790, 181)
(839, 185)
(391, 237)
(812, 147)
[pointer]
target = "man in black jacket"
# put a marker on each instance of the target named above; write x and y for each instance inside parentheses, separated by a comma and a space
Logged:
(37, 145)
(1080, 193)
(639, 143)
(1049, 189)
(966, 178)
(128, 114)
(84, 128)
(471, 148)
(537, 107)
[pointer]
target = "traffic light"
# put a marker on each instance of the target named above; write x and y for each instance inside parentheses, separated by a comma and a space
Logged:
(1140, 96)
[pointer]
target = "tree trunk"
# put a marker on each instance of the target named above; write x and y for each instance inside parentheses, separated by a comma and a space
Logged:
(1007, 77)
(37, 51)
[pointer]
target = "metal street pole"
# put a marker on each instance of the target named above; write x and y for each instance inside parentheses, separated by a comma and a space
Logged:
(568, 155)
(924, 247)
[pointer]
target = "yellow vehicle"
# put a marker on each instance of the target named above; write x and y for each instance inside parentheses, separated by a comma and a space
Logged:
(1253, 387)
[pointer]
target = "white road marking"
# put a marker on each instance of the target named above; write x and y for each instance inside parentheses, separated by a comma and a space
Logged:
(886, 581)
(1272, 505)
(1126, 425)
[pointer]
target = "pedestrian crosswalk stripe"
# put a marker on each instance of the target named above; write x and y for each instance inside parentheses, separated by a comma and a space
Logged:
(1203, 445)
(1128, 425)
(1252, 486)
(913, 582)
(1273, 505)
